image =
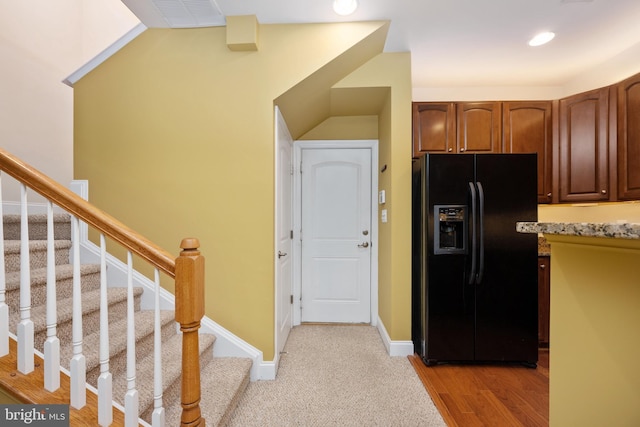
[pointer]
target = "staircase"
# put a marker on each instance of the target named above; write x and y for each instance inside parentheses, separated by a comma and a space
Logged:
(223, 380)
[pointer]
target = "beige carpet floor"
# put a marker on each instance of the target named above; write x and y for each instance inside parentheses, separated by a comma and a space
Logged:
(337, 376)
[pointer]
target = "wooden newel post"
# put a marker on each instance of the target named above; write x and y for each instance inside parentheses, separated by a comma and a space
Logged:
(189, 312)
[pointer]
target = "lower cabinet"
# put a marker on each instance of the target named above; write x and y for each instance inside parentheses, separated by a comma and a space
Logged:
(544, 279)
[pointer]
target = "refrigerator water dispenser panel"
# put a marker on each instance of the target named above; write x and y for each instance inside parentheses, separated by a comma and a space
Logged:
(450, 234)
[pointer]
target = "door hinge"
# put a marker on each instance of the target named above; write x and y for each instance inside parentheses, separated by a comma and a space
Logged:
(291, 234)
(291, 299)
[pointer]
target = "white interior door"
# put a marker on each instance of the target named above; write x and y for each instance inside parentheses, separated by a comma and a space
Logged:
(336, 235)
(283, 231)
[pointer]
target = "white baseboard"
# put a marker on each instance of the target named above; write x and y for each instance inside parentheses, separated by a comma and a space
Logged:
(394, 348)
(226, 345)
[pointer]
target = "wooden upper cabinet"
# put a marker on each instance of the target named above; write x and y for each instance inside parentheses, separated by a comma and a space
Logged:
(527, 128)
(584, 147)
(433, 127)
(629, 138)
(479, 127)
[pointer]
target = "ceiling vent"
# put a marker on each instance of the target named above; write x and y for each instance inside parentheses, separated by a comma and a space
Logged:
(190, 13)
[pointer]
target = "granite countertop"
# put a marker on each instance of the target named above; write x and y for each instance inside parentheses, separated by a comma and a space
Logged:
(584, 229)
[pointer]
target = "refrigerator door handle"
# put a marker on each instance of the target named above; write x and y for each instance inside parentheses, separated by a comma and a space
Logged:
(472, 273)
(480, 232)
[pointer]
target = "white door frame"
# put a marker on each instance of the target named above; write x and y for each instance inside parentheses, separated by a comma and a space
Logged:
(298, 147)
(281, 293)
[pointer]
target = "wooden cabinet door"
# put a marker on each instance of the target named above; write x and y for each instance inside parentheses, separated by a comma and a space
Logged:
(583, 154)
(479, 127)
(544, 279)
(433, 127)
(629, 138)
(527, 128)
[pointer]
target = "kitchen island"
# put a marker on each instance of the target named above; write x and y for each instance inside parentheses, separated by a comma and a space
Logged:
(595, 316)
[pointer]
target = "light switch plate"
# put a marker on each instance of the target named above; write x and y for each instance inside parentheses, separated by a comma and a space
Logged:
(383, 215)
(382, 197)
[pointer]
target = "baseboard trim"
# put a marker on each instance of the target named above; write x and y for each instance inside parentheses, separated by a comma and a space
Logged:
(394, 348)
(227, 344)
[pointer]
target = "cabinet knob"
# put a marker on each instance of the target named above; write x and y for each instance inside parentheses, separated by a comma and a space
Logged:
(450, 150)
(604, 191)
(462, 150)
(549, 195)
(543, 266)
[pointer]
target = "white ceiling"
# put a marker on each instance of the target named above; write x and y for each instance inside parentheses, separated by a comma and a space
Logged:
(452, 42)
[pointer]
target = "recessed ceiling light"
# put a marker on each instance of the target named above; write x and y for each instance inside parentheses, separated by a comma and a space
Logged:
(345, 7)
(541, 38)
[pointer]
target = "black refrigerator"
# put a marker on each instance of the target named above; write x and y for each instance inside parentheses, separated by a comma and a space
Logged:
(474, 277)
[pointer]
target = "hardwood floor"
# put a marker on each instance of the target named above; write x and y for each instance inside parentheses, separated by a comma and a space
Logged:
(29, 389)
(489, 395)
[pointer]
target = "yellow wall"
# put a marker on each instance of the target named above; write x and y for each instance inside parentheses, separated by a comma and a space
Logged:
(393, 70)
(384, 85)
(595, 305)
(344, 127)
(175, 135)
(595, 311)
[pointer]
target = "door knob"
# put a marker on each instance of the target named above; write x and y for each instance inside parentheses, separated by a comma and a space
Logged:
(364, 245)
(281, 254)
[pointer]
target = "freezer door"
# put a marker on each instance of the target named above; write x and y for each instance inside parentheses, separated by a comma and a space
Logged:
(448, 308)
(507, 295)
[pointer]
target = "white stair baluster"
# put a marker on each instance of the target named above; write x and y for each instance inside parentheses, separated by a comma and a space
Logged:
(52, 344)
(78, 365)
(105, 381)
(4, 308)
(25, 327)
(131, 397)
(158, 416)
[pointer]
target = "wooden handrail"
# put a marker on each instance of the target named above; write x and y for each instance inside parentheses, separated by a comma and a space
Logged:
(86, 212)
(187, 270)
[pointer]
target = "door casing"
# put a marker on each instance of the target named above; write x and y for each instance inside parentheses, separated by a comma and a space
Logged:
(283, 270)
(298, 148)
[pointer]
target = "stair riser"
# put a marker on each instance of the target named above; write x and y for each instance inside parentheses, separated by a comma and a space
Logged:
(64, 289)
(37, 228)
(90, 324)
(37, 257)
(144, 347)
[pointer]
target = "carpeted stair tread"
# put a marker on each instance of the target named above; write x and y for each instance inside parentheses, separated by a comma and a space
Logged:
(144, 321)
(172, 369)
(39, 275)
(37, 253)
(13, 246)
(37, 226)
(224, 380)
(90, 303)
